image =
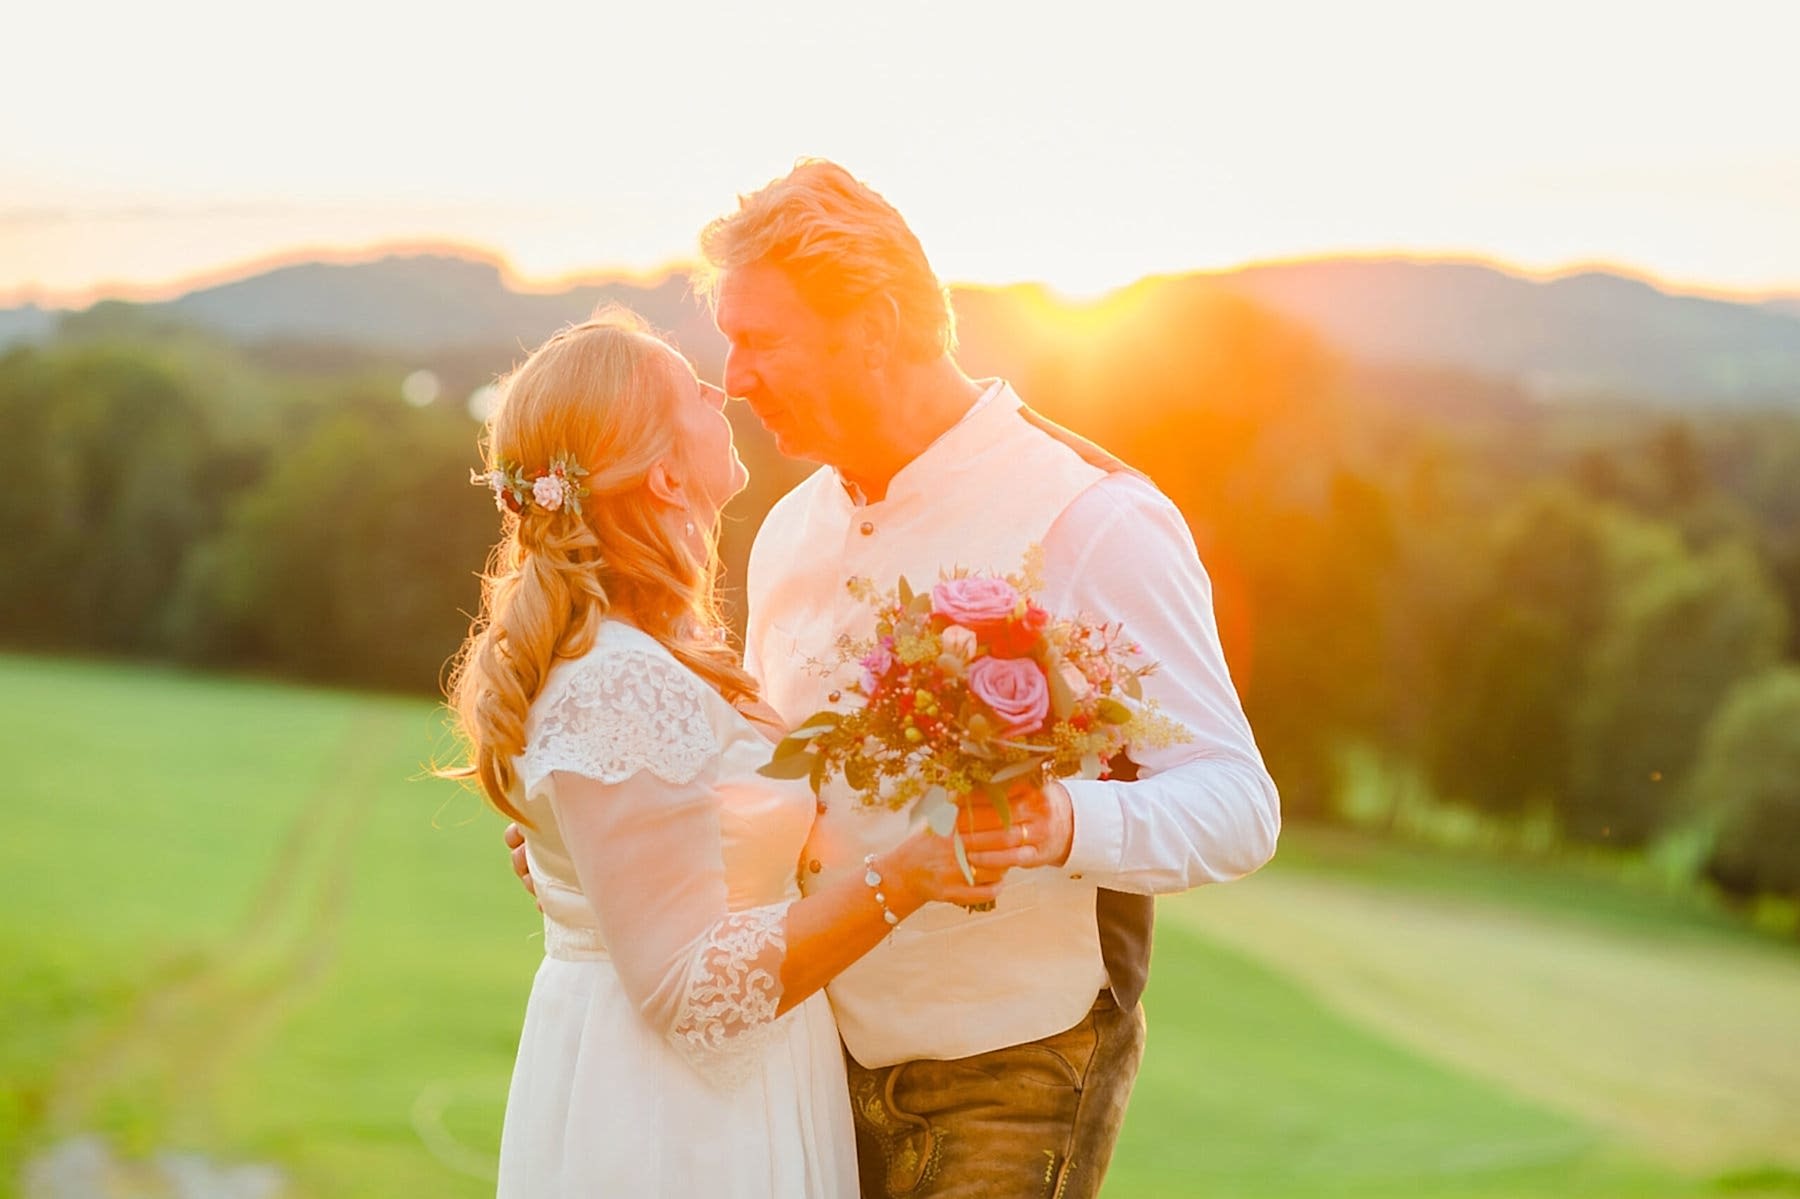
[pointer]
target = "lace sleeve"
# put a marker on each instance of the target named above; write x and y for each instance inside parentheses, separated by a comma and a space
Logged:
(727, 1011)
(621, 709)
(648, 851)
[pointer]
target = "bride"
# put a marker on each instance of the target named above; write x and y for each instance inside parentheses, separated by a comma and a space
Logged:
(677, 1041)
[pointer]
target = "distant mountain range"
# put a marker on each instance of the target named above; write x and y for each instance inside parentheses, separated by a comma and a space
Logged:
(1591, 334)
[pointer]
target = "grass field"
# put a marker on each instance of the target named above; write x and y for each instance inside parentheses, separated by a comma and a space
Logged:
(240, 922)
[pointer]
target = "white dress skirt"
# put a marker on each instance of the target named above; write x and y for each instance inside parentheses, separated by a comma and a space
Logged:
(651, 1061)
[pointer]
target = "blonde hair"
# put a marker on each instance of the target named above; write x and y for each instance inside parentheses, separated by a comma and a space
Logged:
(840, 243)
(602, 393)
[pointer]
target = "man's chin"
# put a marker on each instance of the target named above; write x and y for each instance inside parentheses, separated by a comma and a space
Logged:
(794, 447)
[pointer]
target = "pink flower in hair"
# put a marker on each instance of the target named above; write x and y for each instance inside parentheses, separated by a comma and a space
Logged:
(548, 492)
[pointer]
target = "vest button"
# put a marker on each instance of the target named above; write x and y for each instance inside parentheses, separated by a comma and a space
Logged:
(815, 865)
(868, 528)
(1076, 876)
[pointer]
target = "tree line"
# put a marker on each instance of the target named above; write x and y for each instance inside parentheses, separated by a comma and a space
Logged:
(1582, 617)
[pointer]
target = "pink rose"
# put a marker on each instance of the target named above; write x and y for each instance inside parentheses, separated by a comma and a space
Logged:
(1015, 690)
(974, 601)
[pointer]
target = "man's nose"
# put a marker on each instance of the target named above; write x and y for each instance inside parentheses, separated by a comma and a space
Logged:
(739, 377)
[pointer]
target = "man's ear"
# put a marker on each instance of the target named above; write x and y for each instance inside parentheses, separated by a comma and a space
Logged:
(879, 317)
(664, 486)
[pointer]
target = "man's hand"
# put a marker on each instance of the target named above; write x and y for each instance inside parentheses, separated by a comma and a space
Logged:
(515, 841)
(1042, 832)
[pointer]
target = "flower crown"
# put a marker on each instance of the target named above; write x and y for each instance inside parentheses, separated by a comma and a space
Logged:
(549, 489)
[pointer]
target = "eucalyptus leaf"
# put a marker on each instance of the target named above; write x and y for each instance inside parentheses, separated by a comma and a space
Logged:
(1016, 770)
(1113, 712)
(997, 796)
(1132, 687)
(938, 811)
(787, 747)
(1062, 696)
(905, 591)
(859, 772)
(794, 766)
(962, 858)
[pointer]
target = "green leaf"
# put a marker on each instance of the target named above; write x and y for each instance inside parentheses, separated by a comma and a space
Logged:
(1113, 712)
(1017, 770)
(818, 722)
(962, 858)
(1130, 685)
(787, 747)
(1062, 696)
(997, 796)
(1091, 766)
(794, 766)
(905, 591)
(938, 811)
(859, 772)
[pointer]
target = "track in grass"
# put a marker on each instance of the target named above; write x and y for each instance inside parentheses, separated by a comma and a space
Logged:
(1684, 1043)
(241, 924)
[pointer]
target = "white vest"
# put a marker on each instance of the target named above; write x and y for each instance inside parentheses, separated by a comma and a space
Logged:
(946, 983)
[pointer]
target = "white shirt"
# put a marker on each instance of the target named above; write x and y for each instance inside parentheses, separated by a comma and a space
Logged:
(1204, 811)
(947, 984)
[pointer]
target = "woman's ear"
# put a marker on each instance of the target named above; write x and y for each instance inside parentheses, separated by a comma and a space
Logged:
(665, 487)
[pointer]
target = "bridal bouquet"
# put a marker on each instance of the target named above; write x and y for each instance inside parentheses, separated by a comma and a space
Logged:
(970, 686)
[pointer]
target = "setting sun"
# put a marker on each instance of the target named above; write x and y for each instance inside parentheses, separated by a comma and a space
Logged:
(1150, 143)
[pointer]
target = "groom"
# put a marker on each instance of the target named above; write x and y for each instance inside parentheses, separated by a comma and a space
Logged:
(993, 1053)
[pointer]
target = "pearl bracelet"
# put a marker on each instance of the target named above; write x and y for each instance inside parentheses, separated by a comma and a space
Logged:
(873, 878)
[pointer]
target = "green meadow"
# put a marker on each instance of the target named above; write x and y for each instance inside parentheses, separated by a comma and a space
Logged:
(240, 921)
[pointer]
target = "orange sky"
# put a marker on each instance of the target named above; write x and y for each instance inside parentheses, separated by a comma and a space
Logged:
(1081, 145)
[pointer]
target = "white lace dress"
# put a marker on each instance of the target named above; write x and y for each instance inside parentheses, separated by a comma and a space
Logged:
(652, 1062)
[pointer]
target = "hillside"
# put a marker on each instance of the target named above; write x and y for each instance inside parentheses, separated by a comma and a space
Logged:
(1590, 335)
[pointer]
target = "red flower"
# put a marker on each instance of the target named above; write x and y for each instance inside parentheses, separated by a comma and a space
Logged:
(1015, 638)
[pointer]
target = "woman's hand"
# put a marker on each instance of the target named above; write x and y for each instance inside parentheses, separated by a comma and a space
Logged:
(922, 869)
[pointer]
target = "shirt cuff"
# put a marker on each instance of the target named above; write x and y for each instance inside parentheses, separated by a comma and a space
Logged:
(1098, 844)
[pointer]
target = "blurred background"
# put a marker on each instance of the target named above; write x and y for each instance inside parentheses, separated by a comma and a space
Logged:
(1468, 341)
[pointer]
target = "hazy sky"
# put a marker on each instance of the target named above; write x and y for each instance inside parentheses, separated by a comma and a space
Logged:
(1084, 144)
